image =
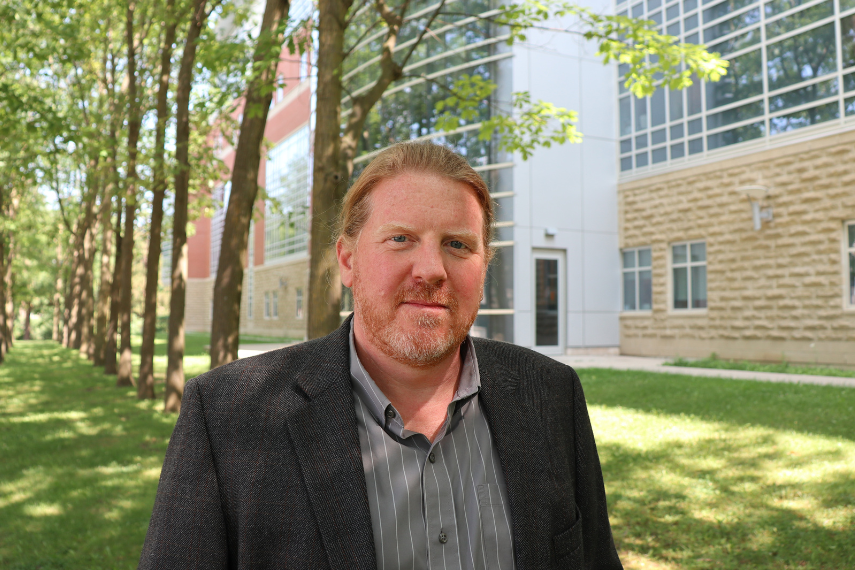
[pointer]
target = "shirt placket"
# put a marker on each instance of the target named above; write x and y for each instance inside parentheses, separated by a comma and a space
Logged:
(440, 519)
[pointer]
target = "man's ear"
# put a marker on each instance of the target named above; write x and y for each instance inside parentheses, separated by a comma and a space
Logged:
(345, 261)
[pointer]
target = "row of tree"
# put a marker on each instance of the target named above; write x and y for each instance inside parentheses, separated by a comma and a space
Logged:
(112, 107)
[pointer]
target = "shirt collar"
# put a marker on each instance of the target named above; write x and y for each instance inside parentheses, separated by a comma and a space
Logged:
(379, 405)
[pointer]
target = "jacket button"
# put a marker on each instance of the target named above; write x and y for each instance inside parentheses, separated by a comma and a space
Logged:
(390, 413)
(443, 538)
(432, 458)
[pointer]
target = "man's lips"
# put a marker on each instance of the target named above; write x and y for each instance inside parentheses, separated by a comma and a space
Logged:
(425, 304)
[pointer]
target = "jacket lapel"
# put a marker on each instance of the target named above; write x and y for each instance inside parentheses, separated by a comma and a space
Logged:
(322, 428)
(520, 443)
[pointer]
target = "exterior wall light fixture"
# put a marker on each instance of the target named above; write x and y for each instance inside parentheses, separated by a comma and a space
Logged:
(756, 195)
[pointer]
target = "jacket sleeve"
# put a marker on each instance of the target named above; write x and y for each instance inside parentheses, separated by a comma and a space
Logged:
(187, 528)
(599, 547)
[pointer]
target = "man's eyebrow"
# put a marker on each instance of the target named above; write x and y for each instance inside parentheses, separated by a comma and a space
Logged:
(395, 227)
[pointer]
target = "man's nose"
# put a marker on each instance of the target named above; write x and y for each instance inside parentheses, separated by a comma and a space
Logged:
(428, 264)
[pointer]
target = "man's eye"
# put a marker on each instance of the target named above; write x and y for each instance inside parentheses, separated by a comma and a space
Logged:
(457, 244)
(399, 239)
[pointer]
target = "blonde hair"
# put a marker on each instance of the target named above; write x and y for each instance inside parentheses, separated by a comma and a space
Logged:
(419, 157)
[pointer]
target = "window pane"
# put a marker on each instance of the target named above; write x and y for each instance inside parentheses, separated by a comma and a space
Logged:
(699, 287)
(674, 29)
(658, 155)
(735, 115)
(640, 142)
(724, 8)
(849, 106)
(695, 126)
(645, 290)
(676, 132)
(852, 235)
(805, 56)
(657, 108)
(737, 135)
(681, 288)
(691, 22)
(546, 301)
(741, 41)
(675, 105)
(658, 137)
(629, 291)
(692, 38)
(693, 93)
(852, 278)
(678, 254)
(804, 118)
(807, 94)
(625, 116)
(640, 113)
(625, 146)
(653, 4)
(744, 79)
(848, 82)
(629, 259)
(731, 25)
(803, 18)
(626, 164)
(641, 159)
(672, 11)
(847, 40)
(777, 6)
(696, 146)
(644, 257)
(637, 10)
(657, 18)
(689, 5)
(699, 252)
(678, 151)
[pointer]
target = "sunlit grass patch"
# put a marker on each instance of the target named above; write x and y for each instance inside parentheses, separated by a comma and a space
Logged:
(712, 473)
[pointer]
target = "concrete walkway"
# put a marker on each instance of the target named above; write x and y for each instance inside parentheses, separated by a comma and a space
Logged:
(656, 365)
(642, 363)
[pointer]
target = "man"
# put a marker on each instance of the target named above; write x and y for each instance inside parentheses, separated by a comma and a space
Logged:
(397, 441)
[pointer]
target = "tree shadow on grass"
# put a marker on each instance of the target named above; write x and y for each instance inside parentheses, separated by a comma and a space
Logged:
(722, 502)
(821, 410)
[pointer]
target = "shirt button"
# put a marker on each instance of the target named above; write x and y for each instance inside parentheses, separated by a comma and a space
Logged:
(443, 538)
(390, 413)
(432, 458)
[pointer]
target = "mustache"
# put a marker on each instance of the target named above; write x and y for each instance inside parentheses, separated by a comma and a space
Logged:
(427, 293)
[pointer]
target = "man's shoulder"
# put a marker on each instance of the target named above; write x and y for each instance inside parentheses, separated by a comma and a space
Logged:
(520, 361)
(260, 377)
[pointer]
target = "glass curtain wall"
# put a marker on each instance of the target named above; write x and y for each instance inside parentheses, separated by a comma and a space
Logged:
(462, 41)
(286, 219)
(792, 65)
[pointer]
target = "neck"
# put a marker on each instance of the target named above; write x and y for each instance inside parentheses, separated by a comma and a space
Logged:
(421, 394)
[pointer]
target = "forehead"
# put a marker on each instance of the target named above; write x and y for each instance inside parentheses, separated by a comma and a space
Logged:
(426, 197)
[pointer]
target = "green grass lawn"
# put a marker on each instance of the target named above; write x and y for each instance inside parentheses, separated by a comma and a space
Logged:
(700, 472)
(715, 362)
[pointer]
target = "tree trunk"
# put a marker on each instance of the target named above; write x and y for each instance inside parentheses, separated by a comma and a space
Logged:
(335, 148)
(26, 311)
(8, 283)
(56, 333)
(3, 347)
(125, 376)
(72, 295)
(329, 180)
(87, 302)
(110, 366)
(225, 325)
(102, 309)
(175, 345)
(145, 385)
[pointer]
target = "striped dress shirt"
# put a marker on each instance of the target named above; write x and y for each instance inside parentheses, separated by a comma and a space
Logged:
(434, 506)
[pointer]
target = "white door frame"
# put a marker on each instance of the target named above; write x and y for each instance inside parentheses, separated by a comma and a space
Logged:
(561, 256)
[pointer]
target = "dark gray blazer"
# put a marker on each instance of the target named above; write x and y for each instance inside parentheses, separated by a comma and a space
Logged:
(264, 469)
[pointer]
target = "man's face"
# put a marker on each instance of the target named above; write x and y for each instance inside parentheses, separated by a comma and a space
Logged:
(417, 268)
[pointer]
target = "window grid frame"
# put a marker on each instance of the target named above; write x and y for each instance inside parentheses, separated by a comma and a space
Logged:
(636, 270)
(842, 95)
(689, 264)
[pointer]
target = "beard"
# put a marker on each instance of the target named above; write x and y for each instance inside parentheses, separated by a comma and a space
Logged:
(424, 339)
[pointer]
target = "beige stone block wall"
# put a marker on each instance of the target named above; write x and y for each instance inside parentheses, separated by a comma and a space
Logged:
(197, 305)
(773, 294)
(284, 277)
